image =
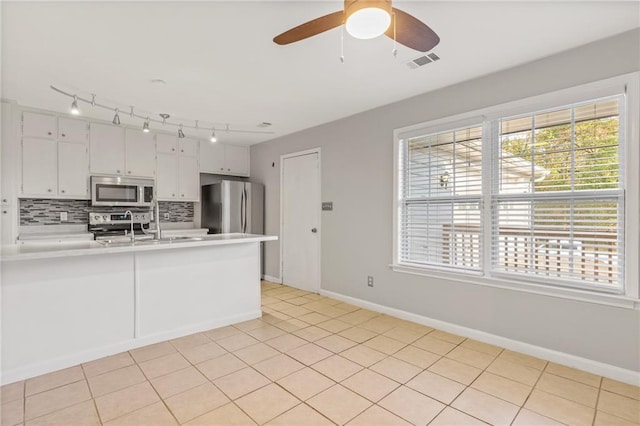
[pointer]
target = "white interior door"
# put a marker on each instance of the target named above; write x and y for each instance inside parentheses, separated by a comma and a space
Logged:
(301, 221)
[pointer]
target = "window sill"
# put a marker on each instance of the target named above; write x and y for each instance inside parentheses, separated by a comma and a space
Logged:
(619, 301)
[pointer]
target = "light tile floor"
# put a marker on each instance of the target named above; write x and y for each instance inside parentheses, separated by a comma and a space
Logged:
(311, 360)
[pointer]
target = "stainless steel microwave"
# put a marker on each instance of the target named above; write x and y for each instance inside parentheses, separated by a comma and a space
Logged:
(121, 191)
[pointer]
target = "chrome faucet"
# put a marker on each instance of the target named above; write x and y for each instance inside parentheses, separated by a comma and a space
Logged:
(158, 234)
(133, 236)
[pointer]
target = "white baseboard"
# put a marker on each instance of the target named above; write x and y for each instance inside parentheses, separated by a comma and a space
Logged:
(272, 279)
(71, 360)
(591, 366)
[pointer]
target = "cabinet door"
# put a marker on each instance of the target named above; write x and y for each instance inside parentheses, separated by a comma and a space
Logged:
(106, 149)
(166, 143)
(188, 147)
(140, 151)
(70, 130)
(39, 167)
(211, 157)
(189, 179)
(73, 170)
(237, 160)
(167, 179)
(38, 125)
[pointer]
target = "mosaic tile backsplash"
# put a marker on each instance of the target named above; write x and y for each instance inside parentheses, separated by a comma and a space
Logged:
(47, 212)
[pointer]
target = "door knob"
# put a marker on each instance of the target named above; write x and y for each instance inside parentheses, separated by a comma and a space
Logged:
(314, 230)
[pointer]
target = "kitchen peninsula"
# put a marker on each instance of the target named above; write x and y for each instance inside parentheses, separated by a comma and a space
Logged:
(64, 304)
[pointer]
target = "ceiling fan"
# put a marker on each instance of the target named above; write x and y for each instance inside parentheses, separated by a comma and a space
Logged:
(366, 19)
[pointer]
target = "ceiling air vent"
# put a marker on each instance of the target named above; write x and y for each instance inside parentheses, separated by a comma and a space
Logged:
(423, 60)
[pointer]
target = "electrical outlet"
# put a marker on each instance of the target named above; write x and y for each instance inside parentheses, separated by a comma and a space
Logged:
(370, 281)
(166, 216)
(63, 217)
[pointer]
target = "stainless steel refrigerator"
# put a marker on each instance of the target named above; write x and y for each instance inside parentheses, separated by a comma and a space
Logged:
(233, 207)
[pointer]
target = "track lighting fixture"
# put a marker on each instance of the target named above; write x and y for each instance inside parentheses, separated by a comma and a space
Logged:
(74, 106)
(146, 117)
(116, 118)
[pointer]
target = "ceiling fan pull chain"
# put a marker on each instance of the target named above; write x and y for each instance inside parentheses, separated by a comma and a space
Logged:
(342, 45)
(395, 39)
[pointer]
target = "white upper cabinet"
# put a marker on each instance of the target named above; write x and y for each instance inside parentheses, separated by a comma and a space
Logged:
(167, 176)
(39, 125)
(224, 159)
(73, 170)
(188, 147)
(140, 149)
(55, 161)
(188, 179)
(166, 143)
(39, 167)
(70, 130)
(211, 157)
(237, 159)
(107, 152)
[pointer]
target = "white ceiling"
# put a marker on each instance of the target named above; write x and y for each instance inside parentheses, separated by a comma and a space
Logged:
(221, 65)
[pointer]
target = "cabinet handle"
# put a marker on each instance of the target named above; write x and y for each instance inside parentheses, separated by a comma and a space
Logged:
(129, 172)
(63, 135)
(182, 195)
(117, 171)
(182, 150)
(4, 200)
(221, 168)
(48, 190)
(228, 170)
(63, 191)
(4, 212)
(173, 195)
(49, 133)
(173, 149)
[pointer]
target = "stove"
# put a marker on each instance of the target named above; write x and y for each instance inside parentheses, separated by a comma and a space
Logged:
(116, 226)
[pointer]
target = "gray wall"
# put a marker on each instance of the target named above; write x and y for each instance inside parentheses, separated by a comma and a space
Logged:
(357, 175)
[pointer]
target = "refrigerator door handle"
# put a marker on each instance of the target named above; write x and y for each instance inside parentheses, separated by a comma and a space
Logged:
(242, 212)
(244, 200)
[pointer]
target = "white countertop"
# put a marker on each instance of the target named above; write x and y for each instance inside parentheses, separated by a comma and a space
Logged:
(84, 248)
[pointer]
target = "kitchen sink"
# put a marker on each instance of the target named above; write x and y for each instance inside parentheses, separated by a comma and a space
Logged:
(144, 242)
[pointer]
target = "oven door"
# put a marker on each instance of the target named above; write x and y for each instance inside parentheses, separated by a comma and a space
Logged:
(116, 191)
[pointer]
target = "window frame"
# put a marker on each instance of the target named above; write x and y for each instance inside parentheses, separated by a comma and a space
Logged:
(628, 85)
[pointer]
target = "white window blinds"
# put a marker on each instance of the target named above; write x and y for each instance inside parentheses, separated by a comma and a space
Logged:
(549, 206)
(558, 195)
(440, 189)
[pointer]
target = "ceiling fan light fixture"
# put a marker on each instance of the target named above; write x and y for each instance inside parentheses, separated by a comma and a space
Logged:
(367, 19)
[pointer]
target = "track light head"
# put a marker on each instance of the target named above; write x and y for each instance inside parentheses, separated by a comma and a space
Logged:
(213, 137)
(145, 126)
(180, 132)
(116, 118)
(74, 106)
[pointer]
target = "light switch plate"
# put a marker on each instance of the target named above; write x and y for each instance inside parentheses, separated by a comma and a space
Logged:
(166, 216)
(327, 206)
(63, 217)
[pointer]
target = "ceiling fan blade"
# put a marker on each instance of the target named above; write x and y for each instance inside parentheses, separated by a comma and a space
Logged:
(412, 32)
(311, 28)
